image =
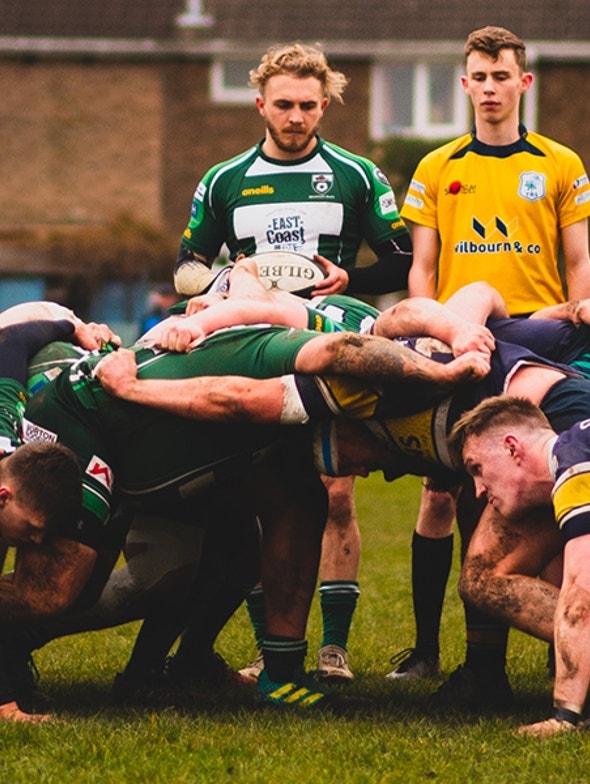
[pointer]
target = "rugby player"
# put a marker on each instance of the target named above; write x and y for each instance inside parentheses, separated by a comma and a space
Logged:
(295, 191)
(525, 469)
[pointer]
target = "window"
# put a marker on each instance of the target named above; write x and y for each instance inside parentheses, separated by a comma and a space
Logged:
(418, 99)
(194, 15)
(229, 81)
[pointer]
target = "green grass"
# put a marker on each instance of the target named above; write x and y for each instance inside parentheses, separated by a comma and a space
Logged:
(396, 740)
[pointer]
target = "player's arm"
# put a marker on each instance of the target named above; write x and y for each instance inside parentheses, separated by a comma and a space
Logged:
(422, 275)
(373, 358)
(47, 579)
(192, 272)
(388, 273)
(574, 241)
(572, 626)
(89, 335)
(184, 333)
(572, 643)
(215, 398)
(418, 316)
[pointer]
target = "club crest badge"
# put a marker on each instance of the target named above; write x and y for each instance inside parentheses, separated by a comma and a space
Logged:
(532, 186)
(322, 183)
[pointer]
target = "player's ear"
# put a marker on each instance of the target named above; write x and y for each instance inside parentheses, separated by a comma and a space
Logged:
(260, 104)
(513, 445)
(5, 494)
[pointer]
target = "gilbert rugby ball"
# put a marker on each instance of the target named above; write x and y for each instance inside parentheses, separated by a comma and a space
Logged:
(288, 271)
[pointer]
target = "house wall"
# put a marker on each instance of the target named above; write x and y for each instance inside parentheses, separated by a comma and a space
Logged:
(79, 143)
(564, 106)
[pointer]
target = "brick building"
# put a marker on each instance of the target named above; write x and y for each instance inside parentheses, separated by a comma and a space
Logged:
(110, 112)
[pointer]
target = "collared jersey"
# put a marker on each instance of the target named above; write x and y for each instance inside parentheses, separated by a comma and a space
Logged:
(498, 212)
(326, 203)
(570, 466)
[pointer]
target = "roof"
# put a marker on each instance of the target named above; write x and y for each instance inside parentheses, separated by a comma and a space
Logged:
(341, 25)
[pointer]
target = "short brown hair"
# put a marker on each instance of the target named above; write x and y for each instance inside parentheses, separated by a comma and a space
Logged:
(491, 41)
(301, 61)
(494, 413)
(47, 478)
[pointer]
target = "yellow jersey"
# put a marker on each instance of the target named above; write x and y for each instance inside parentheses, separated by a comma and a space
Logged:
(499, 212)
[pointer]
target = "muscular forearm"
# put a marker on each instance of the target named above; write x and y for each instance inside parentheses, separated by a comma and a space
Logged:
(378, 359)
(217, 399)
(572, 646)
(47, 579)
(417, 316)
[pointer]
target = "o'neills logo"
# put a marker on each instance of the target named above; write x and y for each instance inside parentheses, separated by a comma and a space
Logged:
(263, 190)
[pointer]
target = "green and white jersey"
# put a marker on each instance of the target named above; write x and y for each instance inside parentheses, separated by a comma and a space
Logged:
(13, 399)
(149, 457)
(340, 313)
(326, 203)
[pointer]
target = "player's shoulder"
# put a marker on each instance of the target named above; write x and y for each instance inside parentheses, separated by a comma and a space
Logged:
(550, 147)
(571, 447)
(446, 151)
(355, 163)
(229, 166)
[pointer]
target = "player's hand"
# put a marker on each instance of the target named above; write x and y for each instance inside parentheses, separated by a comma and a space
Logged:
(11, 712)
(544, 729)
(179, 335)
(92, 335)
(202, 301)
(473, 337)
(336, 281)
(582, 312)
(117, 372)
(471, 366)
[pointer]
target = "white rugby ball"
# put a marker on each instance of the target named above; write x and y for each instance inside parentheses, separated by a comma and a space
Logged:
(288, 271)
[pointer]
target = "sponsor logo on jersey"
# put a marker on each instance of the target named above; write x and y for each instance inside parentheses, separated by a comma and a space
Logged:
(32, 432)
(387, 203)
(455, 188)
(416, 185)
(261, 190)
(286, 231)
(580, 182)
(532, 186)
(582, 198)
(496, 224)
(397, 224)
(381, 177)
(322, 183)
(200, 192)
(187, 233)
(414, 201)
(497, 234)
(100, 471)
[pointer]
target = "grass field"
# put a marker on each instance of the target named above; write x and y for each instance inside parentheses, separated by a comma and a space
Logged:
(395, 740)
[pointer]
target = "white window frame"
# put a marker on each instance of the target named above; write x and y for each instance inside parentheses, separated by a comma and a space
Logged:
(420, 125)
(220, 92)
(194, 15)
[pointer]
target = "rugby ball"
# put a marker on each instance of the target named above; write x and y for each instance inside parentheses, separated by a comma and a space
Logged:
(288, 271)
